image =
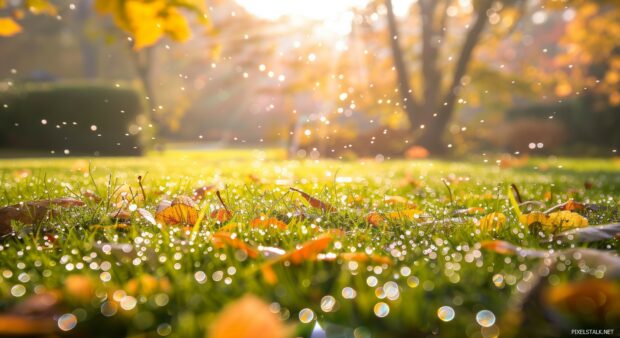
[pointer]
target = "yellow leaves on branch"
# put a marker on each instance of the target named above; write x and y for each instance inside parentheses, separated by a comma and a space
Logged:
(9, 27)
(149, 20)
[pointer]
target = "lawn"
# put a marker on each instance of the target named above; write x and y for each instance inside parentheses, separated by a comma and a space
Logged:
(380, 249)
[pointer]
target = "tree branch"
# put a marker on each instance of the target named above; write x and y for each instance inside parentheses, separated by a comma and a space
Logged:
(446, 107)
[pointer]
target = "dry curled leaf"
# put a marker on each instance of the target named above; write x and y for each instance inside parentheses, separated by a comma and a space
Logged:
(506, 248)
(248, 317)
(221, 215)
(315, 202)
(571, 205)
(182, 210)
(31, 212)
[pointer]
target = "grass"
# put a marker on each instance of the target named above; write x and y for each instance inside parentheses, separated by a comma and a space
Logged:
(435, 262)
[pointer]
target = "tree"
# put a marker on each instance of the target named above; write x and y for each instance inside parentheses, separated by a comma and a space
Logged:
(430, 112)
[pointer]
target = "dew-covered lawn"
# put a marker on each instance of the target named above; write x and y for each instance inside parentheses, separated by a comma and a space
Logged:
(379, 249)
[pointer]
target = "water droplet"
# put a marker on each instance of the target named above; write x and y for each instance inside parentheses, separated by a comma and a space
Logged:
(485, 318)
(413, 281)
(498, 280)
(445, 313)
(328, 303)
(93, 127)
(306, 315)
(391, 290)
(348, 293)
(18, 290)
(164, 329)
(382, 309)
(67, 322)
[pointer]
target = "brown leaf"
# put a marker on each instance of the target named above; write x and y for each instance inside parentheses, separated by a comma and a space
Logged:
(31, 212)
(147, 215)
(314, 202)
(199, 193)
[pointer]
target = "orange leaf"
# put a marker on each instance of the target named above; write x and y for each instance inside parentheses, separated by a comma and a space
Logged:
(221, 215)
(571, 205)
(182, 210)
(362, 257)
(500, 247)
(494, 220)
(309, 250)
(269, 275)
(263, 222)
(314, 202)
(9, 27)
(248, 317)
(223, 239)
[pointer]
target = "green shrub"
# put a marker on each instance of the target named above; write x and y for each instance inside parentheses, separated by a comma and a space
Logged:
(83, 118)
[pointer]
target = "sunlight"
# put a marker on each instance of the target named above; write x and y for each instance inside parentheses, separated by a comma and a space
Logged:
(335, 20)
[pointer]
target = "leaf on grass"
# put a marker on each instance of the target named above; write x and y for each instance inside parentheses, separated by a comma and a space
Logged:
(314, 202)
(32, 317)
(360, 257)
(9, 27)
(248, 317)
(494, 220)
(591, 234)
(147, 215)
(266, 222)
(571, 205)
(398, 200)
(309, 250)
(31, 212)
(506, 248)
(221, 215)
(225, 239)
(534, 217)
(377, 219)
(199, 193)
(120, 215)
(182, 210)
(600, 297)
(567, 220)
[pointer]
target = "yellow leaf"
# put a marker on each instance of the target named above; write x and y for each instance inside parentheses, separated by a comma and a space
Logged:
(567, 220)
(175, 25)
(533, 218)
(9, 27)
(41, 7)
(494, 220)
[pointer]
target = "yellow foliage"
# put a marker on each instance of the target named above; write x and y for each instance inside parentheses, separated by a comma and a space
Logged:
(148, 21)
(41, 7)
(9, 27)
(567, 220)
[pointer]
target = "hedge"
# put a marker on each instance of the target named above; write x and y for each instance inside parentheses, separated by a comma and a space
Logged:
(72, 118)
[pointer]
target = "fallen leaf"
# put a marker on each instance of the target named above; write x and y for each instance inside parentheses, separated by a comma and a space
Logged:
(35, 316)
(590, 234)
(506, 248)
(377, 219)
(221, 215)
(314, 202)
(147, 215)
(266, 222)
(199, 193)
(120, 215)
(494, 220)
(308, 250)
(571, 205)
(563, 220)
(592, 298)
(9, 27)
(398, 200)
(224, 239)
(31, 212)
(248, 317)
(182, 210)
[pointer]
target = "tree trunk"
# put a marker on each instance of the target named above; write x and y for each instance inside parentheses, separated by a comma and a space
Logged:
(429, 117)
